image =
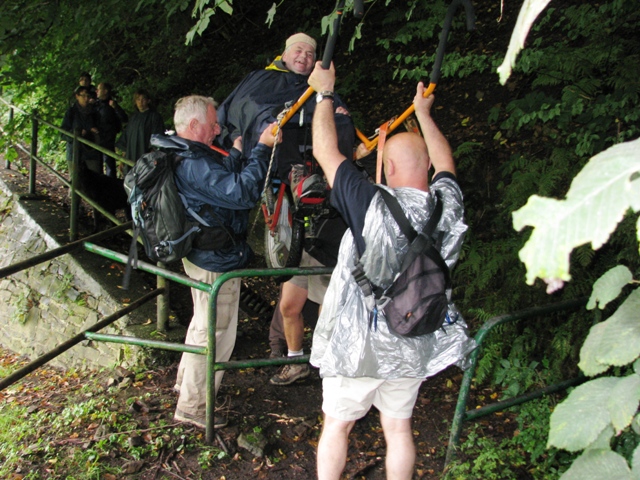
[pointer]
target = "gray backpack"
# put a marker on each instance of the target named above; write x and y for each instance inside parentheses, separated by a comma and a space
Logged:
(160, 217)
(416, 303)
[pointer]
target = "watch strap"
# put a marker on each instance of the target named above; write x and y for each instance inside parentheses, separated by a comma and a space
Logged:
(324, 94)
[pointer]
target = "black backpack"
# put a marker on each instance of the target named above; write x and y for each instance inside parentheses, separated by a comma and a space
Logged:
(159, 213)
(416, 303)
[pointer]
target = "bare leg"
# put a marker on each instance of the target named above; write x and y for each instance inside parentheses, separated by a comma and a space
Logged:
(292, 301)
(401, 451)
(332, 448)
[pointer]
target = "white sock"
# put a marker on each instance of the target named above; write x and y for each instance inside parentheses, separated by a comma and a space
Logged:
(295, 353)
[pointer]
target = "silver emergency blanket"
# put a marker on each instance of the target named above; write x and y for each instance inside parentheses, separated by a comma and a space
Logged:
(343, 341)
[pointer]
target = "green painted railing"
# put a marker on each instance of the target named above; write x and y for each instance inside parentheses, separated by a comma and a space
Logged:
(461, 413)
(210, 349)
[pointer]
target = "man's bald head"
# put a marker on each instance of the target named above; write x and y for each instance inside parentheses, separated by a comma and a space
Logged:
(406, 161)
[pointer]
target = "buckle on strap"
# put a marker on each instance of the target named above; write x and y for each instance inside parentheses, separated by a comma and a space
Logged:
(382, 301)
(362, 280)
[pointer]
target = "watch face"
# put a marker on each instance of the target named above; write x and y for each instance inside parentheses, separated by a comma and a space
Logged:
(319, 97)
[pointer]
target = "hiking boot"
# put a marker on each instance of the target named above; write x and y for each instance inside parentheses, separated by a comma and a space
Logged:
(290, 373)
(276, 353)
(219, 421)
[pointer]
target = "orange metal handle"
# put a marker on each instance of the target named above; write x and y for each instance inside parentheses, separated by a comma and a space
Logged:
(294, 108)
(371, 143)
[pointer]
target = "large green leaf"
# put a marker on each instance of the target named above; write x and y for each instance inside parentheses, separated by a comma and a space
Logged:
(623, 402)
(568, 428)
(609, 286)
(635, 463)
(596, 202)
(528, 13)
(615, 341)
(598, 465)
(588, 360)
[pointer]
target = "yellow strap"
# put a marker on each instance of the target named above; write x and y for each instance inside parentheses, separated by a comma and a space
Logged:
(273, 65)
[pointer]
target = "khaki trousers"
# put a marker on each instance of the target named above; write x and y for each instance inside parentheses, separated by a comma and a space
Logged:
(192, 371)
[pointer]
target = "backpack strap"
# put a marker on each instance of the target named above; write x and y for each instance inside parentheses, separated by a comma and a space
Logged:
(422, 242)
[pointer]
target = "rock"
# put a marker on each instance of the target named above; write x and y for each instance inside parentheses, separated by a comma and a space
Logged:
(124, 383)
(138, 406)
(101, 432)
(122, 372)
(136, 440)
(254, 442)
(132, 467)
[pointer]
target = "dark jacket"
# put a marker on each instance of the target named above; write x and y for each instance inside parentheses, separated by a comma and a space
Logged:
(136, 136)
(83, 119)
(254, 104)
(230, 185)
(261, 96)
(110, 121)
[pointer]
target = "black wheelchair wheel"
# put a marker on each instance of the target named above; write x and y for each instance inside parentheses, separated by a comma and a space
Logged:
(295, 250)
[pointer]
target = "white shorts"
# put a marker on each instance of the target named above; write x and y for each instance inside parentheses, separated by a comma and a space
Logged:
(349, 399)
(315, 285)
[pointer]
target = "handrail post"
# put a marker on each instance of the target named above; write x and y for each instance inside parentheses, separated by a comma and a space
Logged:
(33, 153)
(211, 360)
(7, 163)
(75, 199)
(162, 305)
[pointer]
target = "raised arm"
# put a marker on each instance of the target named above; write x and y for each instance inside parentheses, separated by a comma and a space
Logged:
(437, 144)
(325, 137)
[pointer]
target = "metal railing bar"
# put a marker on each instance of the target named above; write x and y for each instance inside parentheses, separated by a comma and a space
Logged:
(60, 349)
(262, 362)
(46, 165)
(212, 321)
(147, 267)
(465, 386)
(143, 342)
(70, 134)
(512, 402)
(70, 247)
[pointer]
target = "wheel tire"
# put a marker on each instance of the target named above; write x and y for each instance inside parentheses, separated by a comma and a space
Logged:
(295, 250)
(276, 246)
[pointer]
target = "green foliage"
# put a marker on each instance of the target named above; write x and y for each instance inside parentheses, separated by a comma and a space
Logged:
(521, 455)
(599, 197)
(491, 460)
(22, 303)
(574, 92)
(589, 214)
(593, 64)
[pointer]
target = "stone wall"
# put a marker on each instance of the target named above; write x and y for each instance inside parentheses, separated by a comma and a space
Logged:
(45, 305)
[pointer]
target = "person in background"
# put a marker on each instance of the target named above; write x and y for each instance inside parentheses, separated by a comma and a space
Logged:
(135, 138)
(85, 81)
(111, 117)
(222, 189)
(363, 365)
(82, 116)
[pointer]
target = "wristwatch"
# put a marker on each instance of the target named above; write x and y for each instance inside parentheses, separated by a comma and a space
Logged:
(320, 96)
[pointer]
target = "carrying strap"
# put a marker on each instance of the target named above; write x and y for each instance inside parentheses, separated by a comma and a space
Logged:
(422, 242)
(375, 297)
(382, 138)
(418, 244)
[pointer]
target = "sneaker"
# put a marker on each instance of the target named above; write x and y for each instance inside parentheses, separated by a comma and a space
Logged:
(290, 373)
(219, 421)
